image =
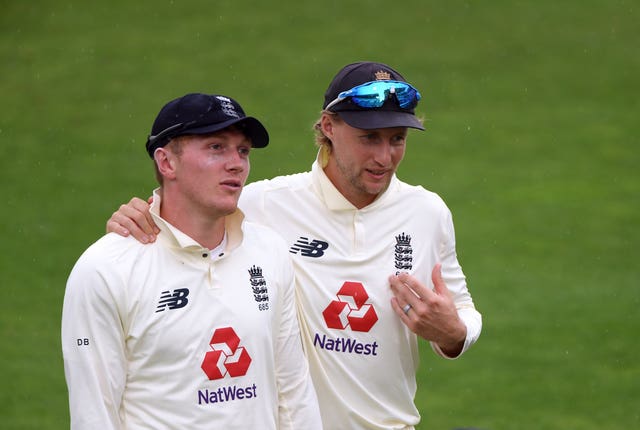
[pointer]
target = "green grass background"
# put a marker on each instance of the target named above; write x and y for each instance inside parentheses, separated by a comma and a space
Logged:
(531, 110)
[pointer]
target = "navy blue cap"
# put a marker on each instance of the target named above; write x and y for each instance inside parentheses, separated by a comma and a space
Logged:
(388, 115)
(198, 113)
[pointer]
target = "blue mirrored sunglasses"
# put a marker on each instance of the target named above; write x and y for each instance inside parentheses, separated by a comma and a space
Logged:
(373, 94)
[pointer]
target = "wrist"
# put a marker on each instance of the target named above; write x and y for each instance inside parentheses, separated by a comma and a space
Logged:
(453, 347)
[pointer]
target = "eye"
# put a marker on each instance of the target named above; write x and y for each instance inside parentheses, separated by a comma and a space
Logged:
(399, 139)
(370, 137)
(215, 146)
(244, 150)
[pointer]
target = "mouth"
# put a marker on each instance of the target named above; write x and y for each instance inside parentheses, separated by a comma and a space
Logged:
(232, 184)
(378, 174)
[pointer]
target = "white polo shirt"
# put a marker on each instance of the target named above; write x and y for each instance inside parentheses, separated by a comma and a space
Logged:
(164, 336)
(363, 359)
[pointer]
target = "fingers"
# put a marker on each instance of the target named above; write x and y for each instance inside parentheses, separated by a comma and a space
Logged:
(406, 299)
(134, 218)
(408, 289)
(439, 286)
(438, 283)
(431, 314)
(122, 222)
(114, 227)
(137, 207)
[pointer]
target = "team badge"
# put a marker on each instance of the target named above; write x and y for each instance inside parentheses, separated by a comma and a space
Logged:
(403, 253)
(259, 287)
(382, 75)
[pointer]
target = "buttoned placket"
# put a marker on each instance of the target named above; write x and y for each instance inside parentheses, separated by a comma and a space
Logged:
(359, 233)
(210, 258)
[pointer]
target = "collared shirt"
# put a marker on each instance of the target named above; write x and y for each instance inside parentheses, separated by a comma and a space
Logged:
(165, 336)
(363, 359)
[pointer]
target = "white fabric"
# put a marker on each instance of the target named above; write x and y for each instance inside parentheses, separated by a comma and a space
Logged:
(133, 362)
(372, 386)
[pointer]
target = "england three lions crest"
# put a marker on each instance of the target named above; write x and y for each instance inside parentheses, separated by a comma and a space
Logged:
(259, 287)
(403, 253)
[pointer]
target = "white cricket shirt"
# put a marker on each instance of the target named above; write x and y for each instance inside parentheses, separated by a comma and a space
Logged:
(363, 359)
(164, 336)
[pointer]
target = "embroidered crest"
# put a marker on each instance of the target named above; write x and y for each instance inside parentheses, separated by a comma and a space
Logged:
(259, 287)
(381, 75)
(227, 107)
(403, 253)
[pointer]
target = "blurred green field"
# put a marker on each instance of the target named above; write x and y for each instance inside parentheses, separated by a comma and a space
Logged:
(531, 110)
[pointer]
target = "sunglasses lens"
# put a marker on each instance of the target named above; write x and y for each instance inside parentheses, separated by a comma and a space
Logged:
(374, 94)
(369, 100)
(407, 96)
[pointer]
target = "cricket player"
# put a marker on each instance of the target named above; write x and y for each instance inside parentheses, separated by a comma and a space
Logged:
(375, 258)
(199, 329)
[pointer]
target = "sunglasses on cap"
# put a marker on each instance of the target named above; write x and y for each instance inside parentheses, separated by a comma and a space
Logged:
(375, 93)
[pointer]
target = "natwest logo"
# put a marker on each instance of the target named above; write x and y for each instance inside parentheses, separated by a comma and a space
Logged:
(227, 356)
(351, 309)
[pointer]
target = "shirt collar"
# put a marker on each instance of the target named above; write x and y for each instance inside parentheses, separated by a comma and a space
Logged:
(176, 238)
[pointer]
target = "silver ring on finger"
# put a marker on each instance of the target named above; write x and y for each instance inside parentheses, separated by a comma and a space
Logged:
(406, 309)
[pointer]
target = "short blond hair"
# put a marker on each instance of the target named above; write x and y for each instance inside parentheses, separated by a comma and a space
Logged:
(320, 138)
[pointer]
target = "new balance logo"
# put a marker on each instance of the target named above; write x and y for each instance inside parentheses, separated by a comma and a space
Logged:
(173, 300)
(314, 248)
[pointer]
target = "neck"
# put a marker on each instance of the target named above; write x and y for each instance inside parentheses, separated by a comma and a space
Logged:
(205, 227)
(355, 197)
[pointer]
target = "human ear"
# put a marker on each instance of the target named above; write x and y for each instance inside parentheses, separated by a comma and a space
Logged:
(166, 162)
(326, 125)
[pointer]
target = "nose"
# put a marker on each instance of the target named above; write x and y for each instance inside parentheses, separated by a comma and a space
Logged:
(236, 162)
(383, 153)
